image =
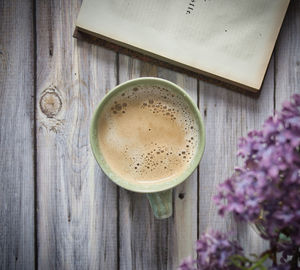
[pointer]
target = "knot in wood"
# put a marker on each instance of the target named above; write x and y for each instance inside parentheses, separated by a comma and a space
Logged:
(50, 103)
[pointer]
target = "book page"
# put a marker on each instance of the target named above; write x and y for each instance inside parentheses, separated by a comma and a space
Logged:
(231, 39)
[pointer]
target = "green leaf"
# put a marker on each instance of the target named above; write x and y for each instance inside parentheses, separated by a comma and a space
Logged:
(283, 237)
(259, 263)
(240, 261)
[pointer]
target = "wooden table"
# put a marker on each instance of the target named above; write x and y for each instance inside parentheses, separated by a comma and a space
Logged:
(58, 210)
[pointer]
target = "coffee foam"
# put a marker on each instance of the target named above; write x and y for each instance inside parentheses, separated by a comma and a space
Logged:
(148, 133)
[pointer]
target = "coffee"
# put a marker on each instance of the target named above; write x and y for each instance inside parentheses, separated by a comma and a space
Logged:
(147, 133)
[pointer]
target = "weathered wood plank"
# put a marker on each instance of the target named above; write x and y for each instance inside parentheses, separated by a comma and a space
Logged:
(146, 243)
(77, 204)
(16, 135)
(185, 195)
(288, 56)
(228, 116)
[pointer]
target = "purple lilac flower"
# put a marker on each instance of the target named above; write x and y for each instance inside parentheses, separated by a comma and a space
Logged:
(268, 184)
(188, 264)
(213, 253)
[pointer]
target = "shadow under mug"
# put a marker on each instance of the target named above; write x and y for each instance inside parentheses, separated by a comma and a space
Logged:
(159, 194)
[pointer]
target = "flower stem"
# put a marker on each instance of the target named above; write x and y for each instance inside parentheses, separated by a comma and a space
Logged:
(273, 250)
(294, 261)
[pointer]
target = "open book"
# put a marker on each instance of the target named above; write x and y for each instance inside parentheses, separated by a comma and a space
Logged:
(230, 40)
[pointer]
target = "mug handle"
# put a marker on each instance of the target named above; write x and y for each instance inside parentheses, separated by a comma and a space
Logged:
(161, 203)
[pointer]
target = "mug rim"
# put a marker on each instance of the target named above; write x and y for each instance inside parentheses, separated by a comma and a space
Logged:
(146, 187)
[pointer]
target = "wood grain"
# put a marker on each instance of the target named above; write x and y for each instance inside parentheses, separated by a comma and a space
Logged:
(78, 226)
(228, 116)
(288, 56)
(146, 243)
(16, 135)
(77, 204)
(185, 224)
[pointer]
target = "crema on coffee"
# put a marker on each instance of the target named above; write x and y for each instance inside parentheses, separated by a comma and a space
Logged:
(147, 133)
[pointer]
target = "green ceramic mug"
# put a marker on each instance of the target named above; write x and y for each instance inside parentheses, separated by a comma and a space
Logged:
(159, 194)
